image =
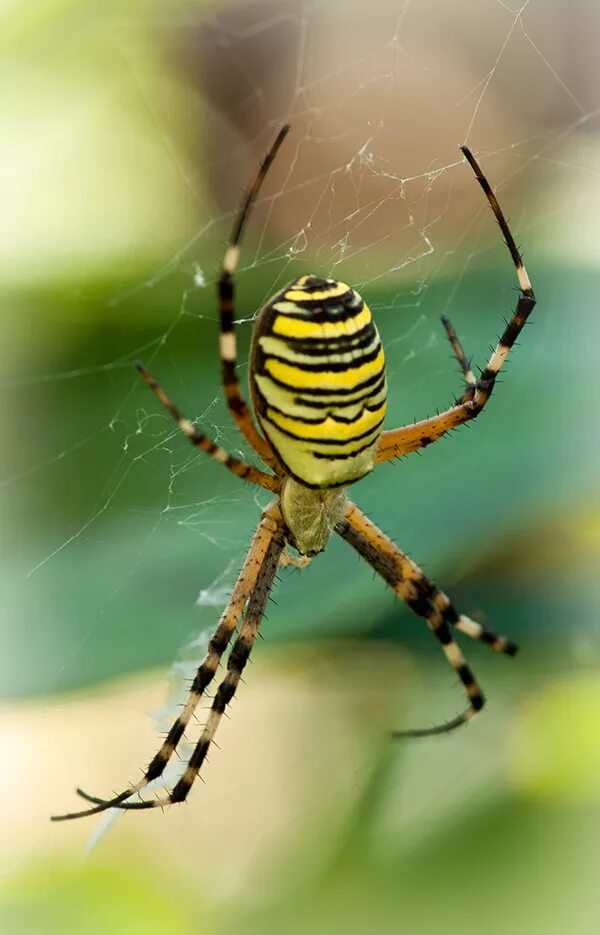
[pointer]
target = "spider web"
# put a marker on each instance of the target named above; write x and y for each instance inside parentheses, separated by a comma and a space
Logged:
(370, 188)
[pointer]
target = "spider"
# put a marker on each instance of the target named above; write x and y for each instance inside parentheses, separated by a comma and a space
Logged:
(318, 389)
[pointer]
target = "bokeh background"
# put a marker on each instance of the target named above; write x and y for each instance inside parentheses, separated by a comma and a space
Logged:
(128, 132)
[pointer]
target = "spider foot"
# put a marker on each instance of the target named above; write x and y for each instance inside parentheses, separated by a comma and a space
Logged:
(100, 805)
(119, 802)
(444, 728)
(94, 798)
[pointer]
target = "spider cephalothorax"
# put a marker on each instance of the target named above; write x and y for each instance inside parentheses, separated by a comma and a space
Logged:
(317, 381)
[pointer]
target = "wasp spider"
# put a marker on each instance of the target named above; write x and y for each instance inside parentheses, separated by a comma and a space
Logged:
(318, 387)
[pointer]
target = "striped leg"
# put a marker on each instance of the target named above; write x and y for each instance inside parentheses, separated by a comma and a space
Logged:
(252, 579)
(236, 663)
(398, 442)
(240, 468)
(459, 353)
(227, 342)
(409, 571)
(425, 599)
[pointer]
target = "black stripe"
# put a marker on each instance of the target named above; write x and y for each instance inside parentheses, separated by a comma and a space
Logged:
(225, 692)
(349, 342)
(321, 311)
(199, 753)
(343, 402)
(226, 302)
(487, 637)
(228, 368)
(157, 765)
(320, 419)
(486, 380)
(239, 654)
(334, 391)
(236, 403)
(443, 634)
(342, 298)
(511, 333)
(465, 675)
(322, 455)
(449, 614)
(343, 302)
(312, 284)
(328, 366)
(324, 441)
(420, 605)
(217, 644)
(175, 734)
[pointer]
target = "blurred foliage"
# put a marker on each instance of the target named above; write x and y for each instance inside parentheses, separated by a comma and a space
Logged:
(96, 900)
(489, 853)
(146, 524)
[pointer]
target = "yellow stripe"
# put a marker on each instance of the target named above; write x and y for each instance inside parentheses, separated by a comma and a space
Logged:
(303, 328)
(302, 379)
(298, 295)
(329, 428)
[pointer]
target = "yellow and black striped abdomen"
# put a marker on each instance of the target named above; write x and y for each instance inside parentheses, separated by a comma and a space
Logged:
(318, 381)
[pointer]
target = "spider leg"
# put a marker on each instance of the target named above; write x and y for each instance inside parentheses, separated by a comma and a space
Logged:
(236, 663)
(459, 353)
(227, 341)
(422, 596)
(477, 632)
(410, 572)
(251, 579)
(401, 441)
(200, 440)
(88, 798)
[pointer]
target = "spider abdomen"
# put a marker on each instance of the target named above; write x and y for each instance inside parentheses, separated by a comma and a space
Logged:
(318, 383)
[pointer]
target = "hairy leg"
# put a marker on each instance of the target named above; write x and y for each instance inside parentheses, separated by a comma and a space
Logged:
(200, 440)
(251, 578)
(398, 442)
(425, 599)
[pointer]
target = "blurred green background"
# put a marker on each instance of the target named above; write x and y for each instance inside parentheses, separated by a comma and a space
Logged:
(129, 131)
